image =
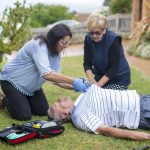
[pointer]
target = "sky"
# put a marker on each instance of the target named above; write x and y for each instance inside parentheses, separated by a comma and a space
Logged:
(73, 5)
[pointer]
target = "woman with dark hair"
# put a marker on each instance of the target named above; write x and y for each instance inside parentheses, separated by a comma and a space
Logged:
(37, 61)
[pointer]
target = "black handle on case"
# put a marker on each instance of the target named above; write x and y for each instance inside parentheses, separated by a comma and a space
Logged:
(24, 127)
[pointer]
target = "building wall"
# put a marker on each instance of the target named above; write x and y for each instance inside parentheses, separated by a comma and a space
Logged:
(140, 9)
(146, 8)
(82, 17)
(135, 12)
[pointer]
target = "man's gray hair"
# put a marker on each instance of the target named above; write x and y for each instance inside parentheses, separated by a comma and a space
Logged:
(54, 115)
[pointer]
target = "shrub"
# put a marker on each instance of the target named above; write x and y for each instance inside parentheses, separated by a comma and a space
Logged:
(120, 6)
(15, 28)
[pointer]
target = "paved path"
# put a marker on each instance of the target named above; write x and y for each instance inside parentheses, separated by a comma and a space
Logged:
(142, 64)
(74, 50)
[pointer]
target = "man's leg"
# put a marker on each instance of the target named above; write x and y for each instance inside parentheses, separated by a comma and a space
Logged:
(38, 103)
(15, 102)
(144, 112)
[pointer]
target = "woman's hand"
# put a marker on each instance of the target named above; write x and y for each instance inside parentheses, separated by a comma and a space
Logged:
(79, 85)
(93, 82)
(103, 81)
(100, 84)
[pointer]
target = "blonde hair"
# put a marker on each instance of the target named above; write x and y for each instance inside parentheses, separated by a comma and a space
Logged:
(96, 20)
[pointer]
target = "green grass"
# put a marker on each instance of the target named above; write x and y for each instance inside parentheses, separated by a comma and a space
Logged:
(72, 138)
(3, 63)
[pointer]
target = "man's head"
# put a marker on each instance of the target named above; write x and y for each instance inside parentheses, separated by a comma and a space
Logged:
(60, 110)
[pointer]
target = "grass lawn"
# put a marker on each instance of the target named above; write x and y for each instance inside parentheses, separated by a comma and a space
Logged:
(72, 138)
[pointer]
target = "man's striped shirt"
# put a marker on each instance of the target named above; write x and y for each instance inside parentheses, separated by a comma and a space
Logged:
(100, 106)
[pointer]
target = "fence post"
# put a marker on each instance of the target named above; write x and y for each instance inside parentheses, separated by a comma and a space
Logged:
(117, 23)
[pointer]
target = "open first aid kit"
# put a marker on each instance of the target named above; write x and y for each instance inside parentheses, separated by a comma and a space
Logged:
(35, 129)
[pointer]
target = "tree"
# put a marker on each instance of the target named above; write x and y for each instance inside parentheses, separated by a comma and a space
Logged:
(120, 6)
(15, 26)
(106, 2)
(43, 15)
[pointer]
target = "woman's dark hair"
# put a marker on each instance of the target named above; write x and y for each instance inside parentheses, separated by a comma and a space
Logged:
(56, 33)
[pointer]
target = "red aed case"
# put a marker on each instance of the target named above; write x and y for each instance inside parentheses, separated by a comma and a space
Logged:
(34, 129)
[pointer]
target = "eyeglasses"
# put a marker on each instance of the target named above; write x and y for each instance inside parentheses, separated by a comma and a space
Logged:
(64, 43)
(97, 33)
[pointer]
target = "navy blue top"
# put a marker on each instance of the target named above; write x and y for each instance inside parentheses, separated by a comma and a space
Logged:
(106, 57)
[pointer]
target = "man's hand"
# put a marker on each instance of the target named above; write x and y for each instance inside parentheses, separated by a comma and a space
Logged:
(122, 133)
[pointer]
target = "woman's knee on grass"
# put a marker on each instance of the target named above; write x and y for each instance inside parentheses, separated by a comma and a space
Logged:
(23, 116)
(40, 112)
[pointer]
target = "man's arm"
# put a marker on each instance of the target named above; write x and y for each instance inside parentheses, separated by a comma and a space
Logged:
(122, 133)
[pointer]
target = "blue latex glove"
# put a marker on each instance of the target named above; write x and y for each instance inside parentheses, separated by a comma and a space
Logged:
(79, 85)
(86, 82)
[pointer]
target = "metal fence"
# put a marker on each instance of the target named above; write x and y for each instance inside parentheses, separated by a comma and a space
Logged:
(120, 23)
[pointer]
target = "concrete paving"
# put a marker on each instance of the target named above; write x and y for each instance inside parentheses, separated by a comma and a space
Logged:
(73, 50)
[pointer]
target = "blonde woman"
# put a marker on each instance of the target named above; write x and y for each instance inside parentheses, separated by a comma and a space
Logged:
(104, 60)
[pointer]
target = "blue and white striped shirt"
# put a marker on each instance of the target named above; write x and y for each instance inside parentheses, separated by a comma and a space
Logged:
(113, 108)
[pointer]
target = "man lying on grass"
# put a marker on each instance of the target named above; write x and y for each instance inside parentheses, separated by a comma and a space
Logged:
(104, 111)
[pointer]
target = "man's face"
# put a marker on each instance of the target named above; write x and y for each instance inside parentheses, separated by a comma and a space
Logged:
(62, 107)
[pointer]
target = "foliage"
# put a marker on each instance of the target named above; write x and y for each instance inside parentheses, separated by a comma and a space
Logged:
(43, 15)
(107, 2)
(72, 138)
(2, 63)
(140, 50)
(121, 6)
(15, 28)
(147, 32)
(104, 12)
(140, 39)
